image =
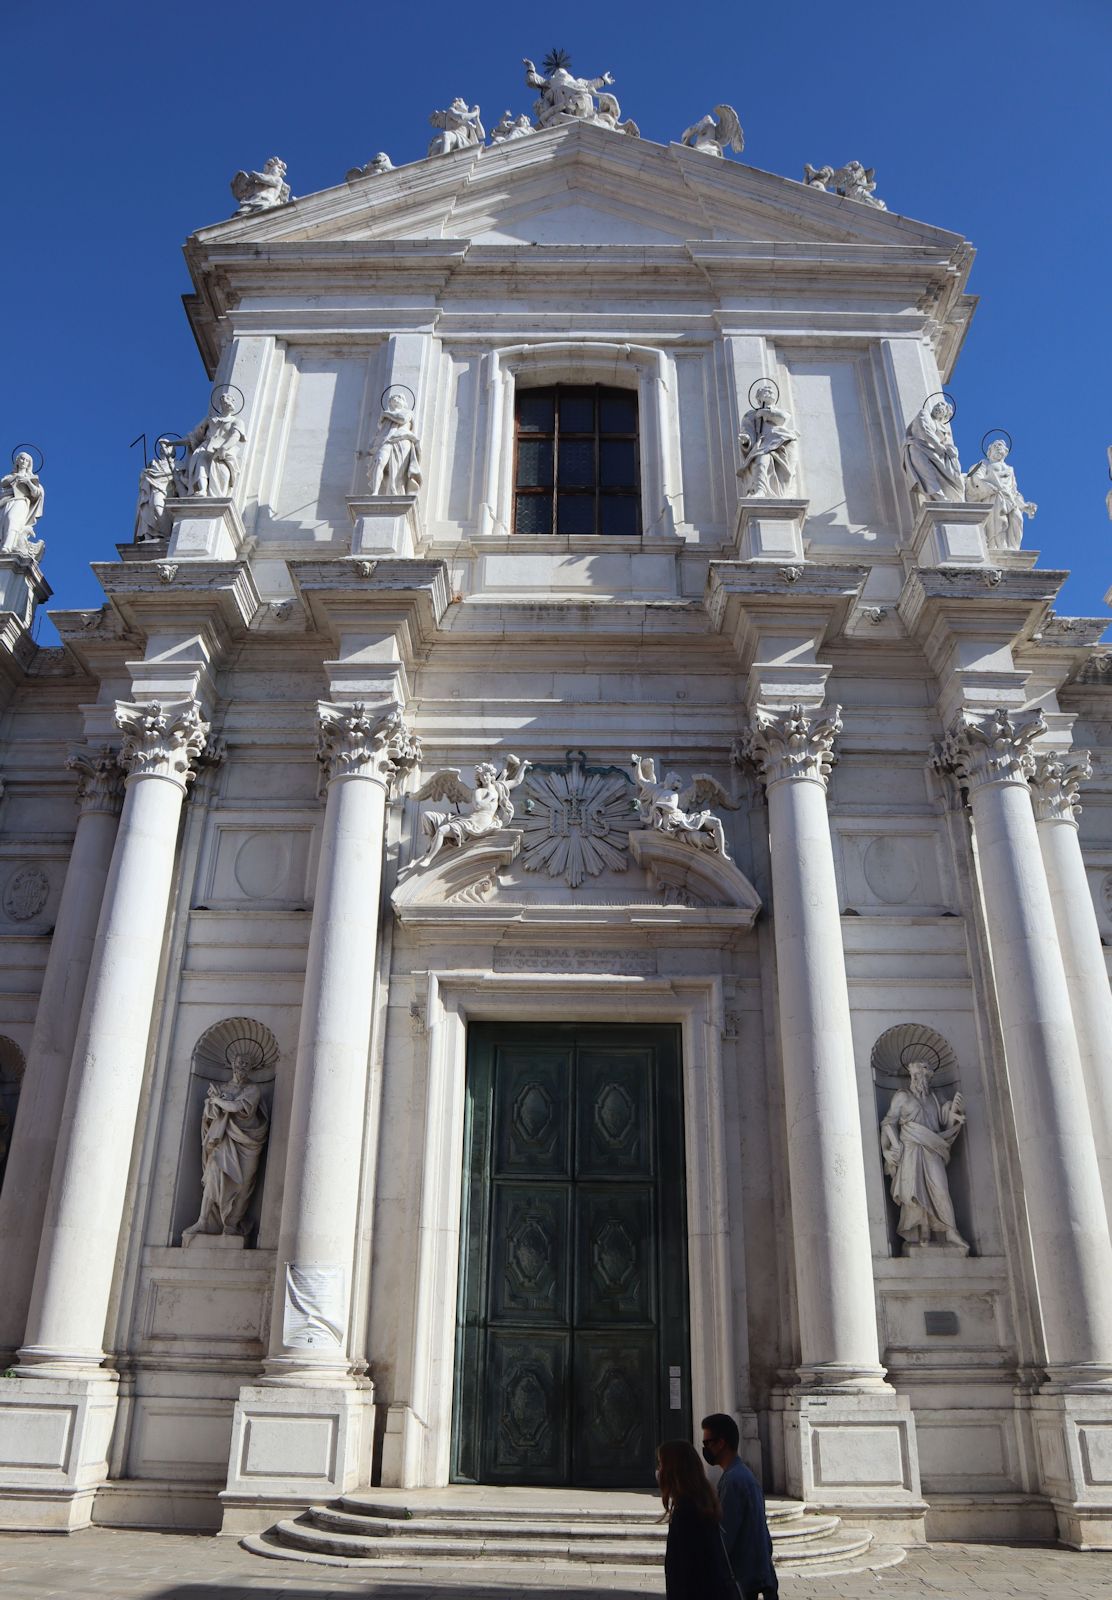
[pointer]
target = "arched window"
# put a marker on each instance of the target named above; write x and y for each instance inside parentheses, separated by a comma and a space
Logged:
(577, 465)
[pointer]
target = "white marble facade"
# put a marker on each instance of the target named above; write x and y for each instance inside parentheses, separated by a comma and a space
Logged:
(881, 711)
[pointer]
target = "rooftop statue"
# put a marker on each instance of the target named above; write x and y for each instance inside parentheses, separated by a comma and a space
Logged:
(992, 482)
(156, 485)
(511, 127)
(482, 809)
(716, 133)
(262, 191)
(930, 456)
(663, 805)
(565, 98)
(214, 448)
(395, 454)
(767, 442)
(21, 503)
(459, 126)
(380, 163)
(852, 182)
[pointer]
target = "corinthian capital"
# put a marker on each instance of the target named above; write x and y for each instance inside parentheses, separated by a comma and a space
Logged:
(1056, 777)
(790, 744)
(162, 739)
(989, 749)
(102, 780)
(356, 743)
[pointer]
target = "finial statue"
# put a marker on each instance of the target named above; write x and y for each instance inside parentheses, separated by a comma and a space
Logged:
(767, 442)
(21, 503)
(261, 191)
(234, 1128)
(662, 804)
(395, 453)
(565, 98)
(156, 485)
(482, 809)
(852, 182)
(930, 456)
(510, 127)
(378, 164)
(716, 133)
(459, 127)
(215, 449)
(992, 482)
(917, 1136)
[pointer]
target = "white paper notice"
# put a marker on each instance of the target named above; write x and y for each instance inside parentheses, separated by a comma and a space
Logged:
(313, 1317)
(675, 1389)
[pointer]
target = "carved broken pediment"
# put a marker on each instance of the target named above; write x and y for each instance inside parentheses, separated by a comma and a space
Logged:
(694, 878)
(461, 878)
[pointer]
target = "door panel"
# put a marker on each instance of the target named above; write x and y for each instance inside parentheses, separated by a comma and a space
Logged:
(573, 1280)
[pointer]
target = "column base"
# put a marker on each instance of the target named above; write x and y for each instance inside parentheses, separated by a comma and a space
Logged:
(292, 1446)
(1073, 1440)
(856, 1455)
(54, 1439)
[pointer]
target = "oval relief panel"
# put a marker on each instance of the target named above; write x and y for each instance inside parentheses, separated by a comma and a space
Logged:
(25, 894)
(262, 865)
(891, 870)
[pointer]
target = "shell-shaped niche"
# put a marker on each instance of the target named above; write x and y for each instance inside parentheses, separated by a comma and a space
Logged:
(896, 1047)
(213, 1052)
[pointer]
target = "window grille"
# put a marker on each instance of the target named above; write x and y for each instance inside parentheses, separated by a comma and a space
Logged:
(577, 465)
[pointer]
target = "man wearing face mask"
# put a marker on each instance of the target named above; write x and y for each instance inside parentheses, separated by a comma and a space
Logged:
(744, 1527)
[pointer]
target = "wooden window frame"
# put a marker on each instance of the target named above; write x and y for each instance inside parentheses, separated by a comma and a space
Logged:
(600, 492)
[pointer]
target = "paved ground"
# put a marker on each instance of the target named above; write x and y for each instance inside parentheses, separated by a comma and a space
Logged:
(102, 1563)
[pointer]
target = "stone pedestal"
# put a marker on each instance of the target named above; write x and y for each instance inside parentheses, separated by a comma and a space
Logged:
(219, 1242)
(54, 1440)
(951, 534)
(22, 587)
(385, 525)
(1073, 1438)
(204, 529)
(291, 1446)
(856, 1456)
(770, 530)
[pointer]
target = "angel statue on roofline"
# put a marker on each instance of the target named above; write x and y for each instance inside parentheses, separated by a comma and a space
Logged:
(261, 191)
(482, 809)
(716, 133)
(664, 805)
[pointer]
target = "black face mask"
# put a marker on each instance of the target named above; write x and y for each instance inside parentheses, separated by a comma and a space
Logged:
(709, 1456)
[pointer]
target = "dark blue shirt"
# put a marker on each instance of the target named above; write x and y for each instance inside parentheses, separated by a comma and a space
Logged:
(745, 1529)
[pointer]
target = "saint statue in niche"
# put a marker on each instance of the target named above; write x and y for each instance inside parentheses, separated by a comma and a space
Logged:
(917, 1136)
(767, 442)
(234, 1128)
(395, 464)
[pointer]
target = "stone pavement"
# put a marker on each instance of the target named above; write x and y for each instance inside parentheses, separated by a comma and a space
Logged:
(102, 1562)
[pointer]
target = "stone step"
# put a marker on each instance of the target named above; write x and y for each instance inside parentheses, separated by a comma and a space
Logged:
(372, 1503)
(542, 1526)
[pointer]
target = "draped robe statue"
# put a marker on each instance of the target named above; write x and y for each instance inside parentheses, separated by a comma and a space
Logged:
(395, 453)
(215, 447)
(930, 456)
(234, 1128)
(916, 1139)
(992, 482)
(767, 442)
(21, 503)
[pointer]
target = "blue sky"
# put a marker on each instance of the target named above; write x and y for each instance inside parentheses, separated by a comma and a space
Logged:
(124, 124)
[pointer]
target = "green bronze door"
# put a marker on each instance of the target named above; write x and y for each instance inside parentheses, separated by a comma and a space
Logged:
(572, 1342)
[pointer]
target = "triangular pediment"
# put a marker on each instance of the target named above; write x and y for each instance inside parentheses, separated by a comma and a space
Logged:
(578, 185)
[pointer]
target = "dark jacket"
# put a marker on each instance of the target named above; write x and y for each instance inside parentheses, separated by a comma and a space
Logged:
(695, 1564)
(745, 1529)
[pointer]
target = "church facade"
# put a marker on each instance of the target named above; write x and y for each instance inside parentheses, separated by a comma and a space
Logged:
(551, 898)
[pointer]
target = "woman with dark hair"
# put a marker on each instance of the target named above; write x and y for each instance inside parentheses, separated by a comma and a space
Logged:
(695, 1563)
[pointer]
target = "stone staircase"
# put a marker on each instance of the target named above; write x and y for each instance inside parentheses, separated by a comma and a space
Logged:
(556, 1531)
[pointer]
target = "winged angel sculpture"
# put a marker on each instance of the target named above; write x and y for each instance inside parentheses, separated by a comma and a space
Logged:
(716, 133)
(664, 805)
(482, 809)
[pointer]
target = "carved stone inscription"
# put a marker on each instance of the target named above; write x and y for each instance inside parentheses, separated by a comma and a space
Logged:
(552, 958)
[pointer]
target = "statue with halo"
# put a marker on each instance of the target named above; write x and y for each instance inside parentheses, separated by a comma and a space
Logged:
(481, 809)
(156, 485)
(930, 456)
(992, 482)
(21, 502)
(395, 454)
(663, 804)
(767, 442)
(917, 1136)
(214, 448)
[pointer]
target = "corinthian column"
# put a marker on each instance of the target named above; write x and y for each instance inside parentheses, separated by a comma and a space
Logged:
(362, 750)
(793, 750)
(80, 1236)
(1061, 1181)
(23, 1201)
(1055, 782)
